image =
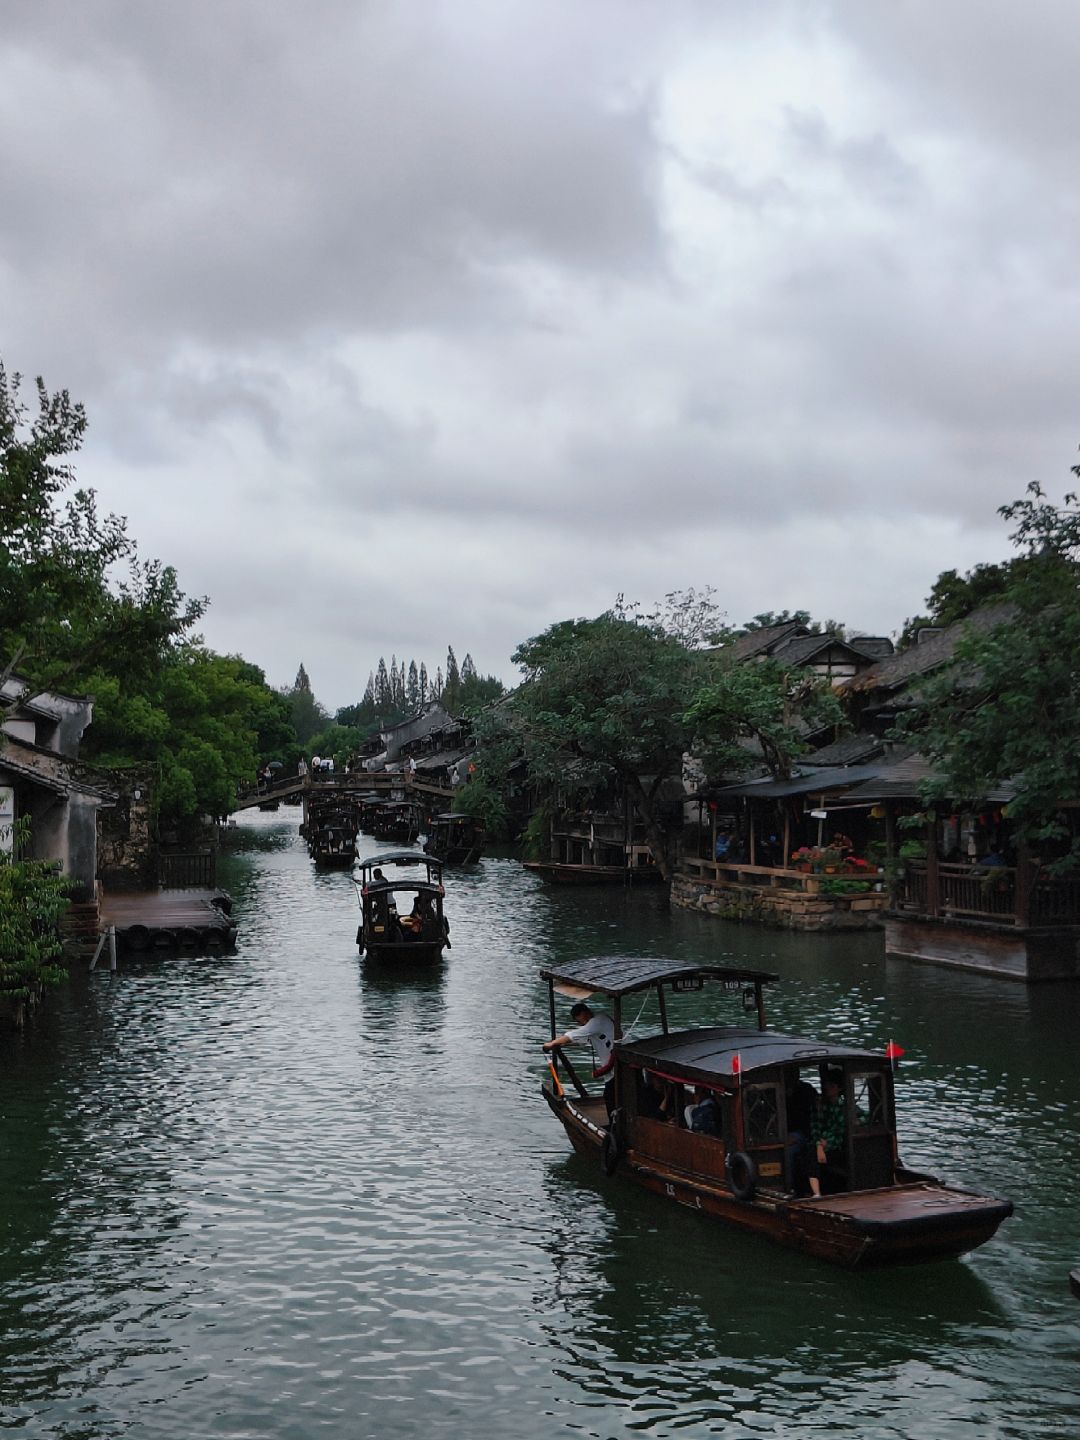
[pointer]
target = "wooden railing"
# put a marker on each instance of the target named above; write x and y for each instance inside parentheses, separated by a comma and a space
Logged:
(1001, 894)
(187, 870)
(759, 875)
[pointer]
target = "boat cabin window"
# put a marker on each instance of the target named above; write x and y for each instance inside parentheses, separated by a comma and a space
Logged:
(870, 1095)
(761, 1114)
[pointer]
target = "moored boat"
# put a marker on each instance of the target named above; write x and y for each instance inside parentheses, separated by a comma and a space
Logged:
(556, 872)
(750, 1170)
(389, 932)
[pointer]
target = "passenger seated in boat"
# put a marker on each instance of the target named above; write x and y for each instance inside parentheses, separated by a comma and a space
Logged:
(419, 922)
(652, 1097)
(830, 1122)
(801, 1156)
(704, 1116)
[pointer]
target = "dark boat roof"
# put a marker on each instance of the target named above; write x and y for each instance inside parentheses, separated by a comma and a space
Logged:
(450, 815)
(397, 857)
(623, 974)
(710, 1052)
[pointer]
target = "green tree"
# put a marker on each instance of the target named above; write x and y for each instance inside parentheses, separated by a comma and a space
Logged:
(306, 715)
(761, 702)
(476, 692)
(33, 896)
(451, 689)
(954, 596)
(1008, 707)
(60, 617)
(610, 695)
(205, 725)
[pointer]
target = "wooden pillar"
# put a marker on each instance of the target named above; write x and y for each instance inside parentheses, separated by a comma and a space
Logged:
(892, 877)
(933, 880)
(753, 839)
(1024, 867)
(787, 835)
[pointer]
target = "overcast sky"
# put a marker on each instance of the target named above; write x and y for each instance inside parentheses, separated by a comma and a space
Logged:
(407, 323)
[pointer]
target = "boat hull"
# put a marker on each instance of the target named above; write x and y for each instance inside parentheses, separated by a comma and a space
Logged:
(556, 873)
(411, 952)
(911, 1223)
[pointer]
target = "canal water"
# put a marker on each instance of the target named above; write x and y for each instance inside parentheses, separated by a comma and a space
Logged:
(275, 1194)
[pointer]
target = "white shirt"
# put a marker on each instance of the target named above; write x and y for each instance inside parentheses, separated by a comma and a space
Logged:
(600, 1033)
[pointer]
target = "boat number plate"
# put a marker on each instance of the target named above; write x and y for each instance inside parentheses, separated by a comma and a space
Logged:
(688, 982)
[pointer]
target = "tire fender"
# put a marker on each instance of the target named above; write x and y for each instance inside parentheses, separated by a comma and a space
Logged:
(742, 1175)
(611, 1147)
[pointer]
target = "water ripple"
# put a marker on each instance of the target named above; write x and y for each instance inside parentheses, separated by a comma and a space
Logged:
(284, 1194)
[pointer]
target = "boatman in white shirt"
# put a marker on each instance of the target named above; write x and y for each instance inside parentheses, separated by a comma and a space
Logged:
(599, 1030)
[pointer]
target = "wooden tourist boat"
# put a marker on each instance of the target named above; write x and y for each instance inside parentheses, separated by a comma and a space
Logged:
(331, 832)
(370, 803)
(396, 821)
(555, 872)
(390, 931)
(455, 839)
(873, 1210)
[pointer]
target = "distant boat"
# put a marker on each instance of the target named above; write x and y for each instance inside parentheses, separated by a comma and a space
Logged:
(387, 932)
(455, 839)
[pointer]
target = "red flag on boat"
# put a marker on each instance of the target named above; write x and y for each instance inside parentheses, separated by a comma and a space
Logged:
(736, 1066)
(893, 1051)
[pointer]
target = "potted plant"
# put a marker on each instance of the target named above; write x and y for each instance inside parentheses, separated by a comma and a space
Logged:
(803, 859)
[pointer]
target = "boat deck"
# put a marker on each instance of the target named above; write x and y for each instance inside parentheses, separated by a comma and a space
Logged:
(919, 1201)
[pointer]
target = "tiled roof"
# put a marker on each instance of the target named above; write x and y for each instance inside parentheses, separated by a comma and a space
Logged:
(895, 671)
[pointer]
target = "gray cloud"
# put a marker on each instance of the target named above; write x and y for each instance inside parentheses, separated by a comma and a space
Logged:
(420, 324)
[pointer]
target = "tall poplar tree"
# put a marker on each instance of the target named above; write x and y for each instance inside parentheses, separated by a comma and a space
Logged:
(452, 683)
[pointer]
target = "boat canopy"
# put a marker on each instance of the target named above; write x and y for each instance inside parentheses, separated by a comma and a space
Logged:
(450, 815)
(710, 1054)
(617, 975)
(398, 857)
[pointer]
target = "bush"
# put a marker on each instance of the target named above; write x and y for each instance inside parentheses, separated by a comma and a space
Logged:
(833, 885)
(33, 896)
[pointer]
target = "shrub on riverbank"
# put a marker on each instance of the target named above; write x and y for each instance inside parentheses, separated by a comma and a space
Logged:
(33, 896)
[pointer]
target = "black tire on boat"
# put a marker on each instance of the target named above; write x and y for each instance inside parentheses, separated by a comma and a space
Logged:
(164, 940)
(742, 1175)
(137, 937)
(215, 938)
(188, 938)
(222, 901)
(611, 1145)
(360, 938)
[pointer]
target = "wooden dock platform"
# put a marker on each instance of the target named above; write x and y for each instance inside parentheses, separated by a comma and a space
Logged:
(170, 920)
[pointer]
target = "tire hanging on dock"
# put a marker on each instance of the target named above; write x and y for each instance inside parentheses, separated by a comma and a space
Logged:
(136, 937)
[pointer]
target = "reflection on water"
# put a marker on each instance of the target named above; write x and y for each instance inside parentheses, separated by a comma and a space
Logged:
(286, 1193)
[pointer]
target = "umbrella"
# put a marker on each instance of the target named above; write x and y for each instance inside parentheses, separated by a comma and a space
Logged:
(275, 765)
